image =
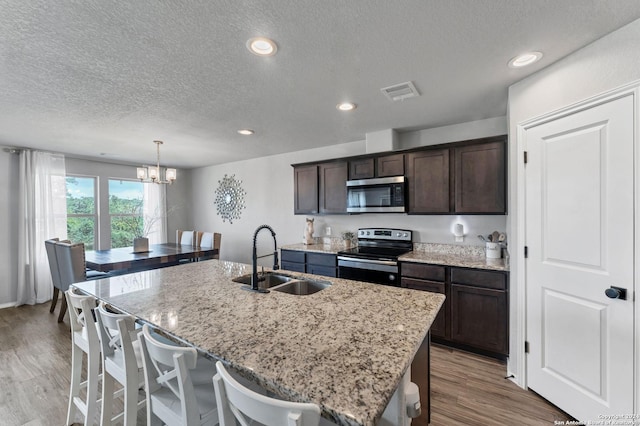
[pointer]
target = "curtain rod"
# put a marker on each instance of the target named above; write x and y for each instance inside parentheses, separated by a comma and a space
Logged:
(12, 150)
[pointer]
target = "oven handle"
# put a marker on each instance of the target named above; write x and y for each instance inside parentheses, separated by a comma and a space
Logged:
(377, 265)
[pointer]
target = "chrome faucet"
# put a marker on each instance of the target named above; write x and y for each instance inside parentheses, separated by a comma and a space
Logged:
(254, 276)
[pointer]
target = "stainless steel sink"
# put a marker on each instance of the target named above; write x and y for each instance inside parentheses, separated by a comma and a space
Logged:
(271, 279)
(302, 287)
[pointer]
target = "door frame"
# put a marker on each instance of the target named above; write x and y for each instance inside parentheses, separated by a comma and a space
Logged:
(518, 292)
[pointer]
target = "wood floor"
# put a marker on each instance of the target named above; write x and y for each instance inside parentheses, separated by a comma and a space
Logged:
(35, 365)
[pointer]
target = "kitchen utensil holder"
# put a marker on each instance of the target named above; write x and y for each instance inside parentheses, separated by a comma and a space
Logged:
(493, 250)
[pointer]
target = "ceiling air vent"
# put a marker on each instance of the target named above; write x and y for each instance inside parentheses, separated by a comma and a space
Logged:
(400, 92)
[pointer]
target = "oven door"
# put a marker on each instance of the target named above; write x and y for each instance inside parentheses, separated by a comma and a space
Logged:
(372, 271)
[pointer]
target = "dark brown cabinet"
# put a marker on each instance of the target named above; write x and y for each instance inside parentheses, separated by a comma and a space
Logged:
(292, 260)
(475, 313)
(390, 165)
(363, 168)
(480, 176)
(382, 166)
(305, 189)
(428, 181)
(333, 187)
(467, 177)
(428, 278)
(312, 263)
(478, 309)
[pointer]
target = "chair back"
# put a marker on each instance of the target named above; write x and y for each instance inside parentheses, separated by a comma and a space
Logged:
(71, 263)
(170, 392)
(84, 332)
(209, 240)
(236, 402)
(185, 237)
(117, 334)
(50, 246)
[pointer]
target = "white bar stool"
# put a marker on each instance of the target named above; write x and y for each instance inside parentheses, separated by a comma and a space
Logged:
(84, 340)
(178, 384)
(236, 402)
(121, 362)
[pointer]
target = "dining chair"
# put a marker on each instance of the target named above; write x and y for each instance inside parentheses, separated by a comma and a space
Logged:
(209, 240)
(185, 237)
(84, 341)
(72, 268)
(237, 402)
(122, 363)
(178, 383)
(50, 246)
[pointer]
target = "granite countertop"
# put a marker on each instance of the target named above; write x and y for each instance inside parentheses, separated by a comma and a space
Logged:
(437, 254)
(331, 248)
(452, 259)
(345, 348)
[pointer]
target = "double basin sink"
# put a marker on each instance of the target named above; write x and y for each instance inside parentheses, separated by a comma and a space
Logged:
(285, 283)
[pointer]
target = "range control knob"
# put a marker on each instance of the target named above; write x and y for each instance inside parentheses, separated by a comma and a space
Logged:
(361, 232)
(368, 232)
(398, 234)
(406, 234)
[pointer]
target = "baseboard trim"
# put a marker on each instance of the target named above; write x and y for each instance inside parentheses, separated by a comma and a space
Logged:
(7, 305)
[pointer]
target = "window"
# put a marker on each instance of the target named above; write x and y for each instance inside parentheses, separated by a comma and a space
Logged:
(81, 210)
(125, 211)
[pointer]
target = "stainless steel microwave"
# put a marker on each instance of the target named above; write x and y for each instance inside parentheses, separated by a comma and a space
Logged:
(378, 195)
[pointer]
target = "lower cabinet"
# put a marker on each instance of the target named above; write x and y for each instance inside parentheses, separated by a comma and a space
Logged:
(310, 262)
(475, 313)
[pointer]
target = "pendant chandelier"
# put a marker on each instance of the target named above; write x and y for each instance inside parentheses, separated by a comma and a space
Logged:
(152, 173)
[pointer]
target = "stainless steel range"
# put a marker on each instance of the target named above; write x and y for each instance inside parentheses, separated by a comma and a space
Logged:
(375, 259)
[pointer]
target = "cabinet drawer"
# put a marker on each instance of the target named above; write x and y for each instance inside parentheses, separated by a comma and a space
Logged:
(321, 259)
(292, 256)
(474, 277)
(423, 271)
(327, 271)
(293, 266)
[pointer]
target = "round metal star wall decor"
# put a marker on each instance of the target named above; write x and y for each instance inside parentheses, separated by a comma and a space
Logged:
(229, 198)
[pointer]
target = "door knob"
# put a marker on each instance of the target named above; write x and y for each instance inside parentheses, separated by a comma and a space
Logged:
(616, 293)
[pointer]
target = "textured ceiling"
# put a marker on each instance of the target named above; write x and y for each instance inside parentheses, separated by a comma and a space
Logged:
(104, 78)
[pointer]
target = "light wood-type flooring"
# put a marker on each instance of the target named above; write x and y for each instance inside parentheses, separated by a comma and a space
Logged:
(35, 364)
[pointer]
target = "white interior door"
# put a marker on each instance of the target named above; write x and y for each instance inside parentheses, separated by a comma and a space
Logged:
(580, 240)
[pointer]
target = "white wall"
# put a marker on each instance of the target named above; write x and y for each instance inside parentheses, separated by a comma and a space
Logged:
(606, 64)
(9, 171)
(269, 185)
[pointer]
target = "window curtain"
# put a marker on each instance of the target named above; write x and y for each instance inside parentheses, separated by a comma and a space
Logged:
(155, 212)
(43, 215)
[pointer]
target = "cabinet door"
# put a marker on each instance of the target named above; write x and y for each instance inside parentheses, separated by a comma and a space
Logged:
(305, 189)
(479, 318)
(361, 169)
(390, 165)
(333, 187)
(480, 178)
(428, 181)
(439, 326)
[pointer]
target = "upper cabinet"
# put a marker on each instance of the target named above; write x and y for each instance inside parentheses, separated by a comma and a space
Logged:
(305, 189)
(480, 178)
(373, 167)
(466, 177)
(333, 187)
(428, 181)
(390, 165)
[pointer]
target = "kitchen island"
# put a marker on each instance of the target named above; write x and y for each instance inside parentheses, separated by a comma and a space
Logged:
(345, 348)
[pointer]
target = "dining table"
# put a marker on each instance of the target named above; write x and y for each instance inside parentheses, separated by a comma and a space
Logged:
(158, 255)
(349, 347)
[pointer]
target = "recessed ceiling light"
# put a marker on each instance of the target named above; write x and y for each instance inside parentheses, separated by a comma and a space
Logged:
(246, 132)
(525, 59)
(346, 106)
(262, 46)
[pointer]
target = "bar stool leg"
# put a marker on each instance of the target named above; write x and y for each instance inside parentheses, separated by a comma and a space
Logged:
(74, 392)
